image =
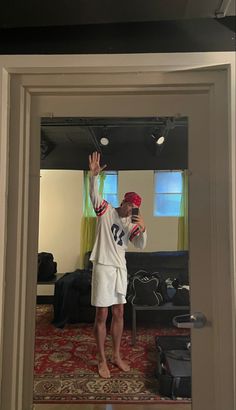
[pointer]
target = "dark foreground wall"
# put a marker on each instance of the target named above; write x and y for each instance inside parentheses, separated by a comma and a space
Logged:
(190, 35)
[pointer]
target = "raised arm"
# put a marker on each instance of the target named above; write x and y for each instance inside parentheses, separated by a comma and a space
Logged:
(99, 204)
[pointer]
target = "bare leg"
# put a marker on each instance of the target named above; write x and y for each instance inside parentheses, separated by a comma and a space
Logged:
(100, 336)
(117, 325)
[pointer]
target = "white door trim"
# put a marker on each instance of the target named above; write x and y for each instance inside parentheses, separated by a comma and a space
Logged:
(17, 257)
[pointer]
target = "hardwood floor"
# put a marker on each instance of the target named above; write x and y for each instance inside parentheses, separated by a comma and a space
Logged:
(176, 406)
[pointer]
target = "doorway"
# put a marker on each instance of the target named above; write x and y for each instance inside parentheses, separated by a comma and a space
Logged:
(195, 108)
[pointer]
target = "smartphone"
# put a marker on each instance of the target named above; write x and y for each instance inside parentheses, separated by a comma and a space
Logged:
(135, 211)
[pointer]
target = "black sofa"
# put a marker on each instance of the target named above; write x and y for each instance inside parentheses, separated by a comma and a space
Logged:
(73, 290)
(169, 264)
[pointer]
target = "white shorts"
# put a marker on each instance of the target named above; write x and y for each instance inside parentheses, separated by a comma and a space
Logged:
(104, 285)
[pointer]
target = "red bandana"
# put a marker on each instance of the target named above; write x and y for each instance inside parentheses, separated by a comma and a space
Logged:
(134, 198)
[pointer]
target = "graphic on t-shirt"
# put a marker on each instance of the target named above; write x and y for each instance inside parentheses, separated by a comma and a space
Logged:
(117, 234)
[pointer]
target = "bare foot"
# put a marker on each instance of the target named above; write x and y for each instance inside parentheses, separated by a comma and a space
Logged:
(122, 364)
(103, 370)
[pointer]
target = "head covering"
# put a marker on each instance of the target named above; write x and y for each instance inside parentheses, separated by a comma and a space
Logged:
(133, 198)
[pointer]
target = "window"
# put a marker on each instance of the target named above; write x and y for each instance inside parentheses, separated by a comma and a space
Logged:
(168, 190)
(110, 191)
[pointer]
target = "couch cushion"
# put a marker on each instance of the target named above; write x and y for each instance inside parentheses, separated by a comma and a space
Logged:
(173, 264)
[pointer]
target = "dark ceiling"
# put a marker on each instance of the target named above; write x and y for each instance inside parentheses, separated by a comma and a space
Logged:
(29, 13)
(67, 142)
(105, 26)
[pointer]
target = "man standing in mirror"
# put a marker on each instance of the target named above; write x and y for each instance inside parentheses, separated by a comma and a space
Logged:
(115, 228)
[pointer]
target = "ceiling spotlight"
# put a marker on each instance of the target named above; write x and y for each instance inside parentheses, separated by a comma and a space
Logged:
(160, 140)
(104, 141)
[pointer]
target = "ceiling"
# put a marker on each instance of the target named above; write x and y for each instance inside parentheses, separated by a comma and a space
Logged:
(79, 12)
(90, 26)
(106, 26)
(67, 142)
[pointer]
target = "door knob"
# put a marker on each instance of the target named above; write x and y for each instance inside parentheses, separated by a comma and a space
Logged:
(195, 320)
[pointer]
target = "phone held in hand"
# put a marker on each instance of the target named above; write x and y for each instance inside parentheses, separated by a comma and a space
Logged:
(135, 211)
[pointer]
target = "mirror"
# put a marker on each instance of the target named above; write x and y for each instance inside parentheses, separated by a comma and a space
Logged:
(145, 155)
(127, 145)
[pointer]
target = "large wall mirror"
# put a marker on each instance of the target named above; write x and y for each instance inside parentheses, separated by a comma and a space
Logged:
(146, 155)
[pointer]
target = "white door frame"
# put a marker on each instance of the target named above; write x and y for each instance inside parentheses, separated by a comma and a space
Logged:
(18, 239)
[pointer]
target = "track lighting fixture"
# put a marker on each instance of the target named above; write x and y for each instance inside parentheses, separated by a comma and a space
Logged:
(160, 140)
(46, 146)
(104, 141)
(158, 137)
(161, 134)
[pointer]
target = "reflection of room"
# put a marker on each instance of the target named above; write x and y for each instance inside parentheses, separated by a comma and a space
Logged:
(131, 150)
(61, 203)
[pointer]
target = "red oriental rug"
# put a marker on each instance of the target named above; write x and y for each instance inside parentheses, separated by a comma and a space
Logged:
(66, 371)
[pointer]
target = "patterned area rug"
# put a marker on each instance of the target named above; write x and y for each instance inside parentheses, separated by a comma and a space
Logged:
(65, 364)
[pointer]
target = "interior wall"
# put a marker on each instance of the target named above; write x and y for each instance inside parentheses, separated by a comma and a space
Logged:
(61, 198)
(61, 202)
(162, 232)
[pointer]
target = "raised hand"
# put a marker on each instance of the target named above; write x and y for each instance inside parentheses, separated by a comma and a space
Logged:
(94, 164)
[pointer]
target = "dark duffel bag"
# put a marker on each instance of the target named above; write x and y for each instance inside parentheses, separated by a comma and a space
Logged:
(47, 267)
(174, 366)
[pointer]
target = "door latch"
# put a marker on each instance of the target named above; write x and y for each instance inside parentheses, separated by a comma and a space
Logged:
(196, 320)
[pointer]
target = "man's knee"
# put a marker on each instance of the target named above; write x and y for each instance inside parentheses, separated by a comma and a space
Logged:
(118, 312)
(101, 314)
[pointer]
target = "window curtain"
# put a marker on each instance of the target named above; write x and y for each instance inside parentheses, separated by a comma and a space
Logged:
(183, 219)
(89, 219)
